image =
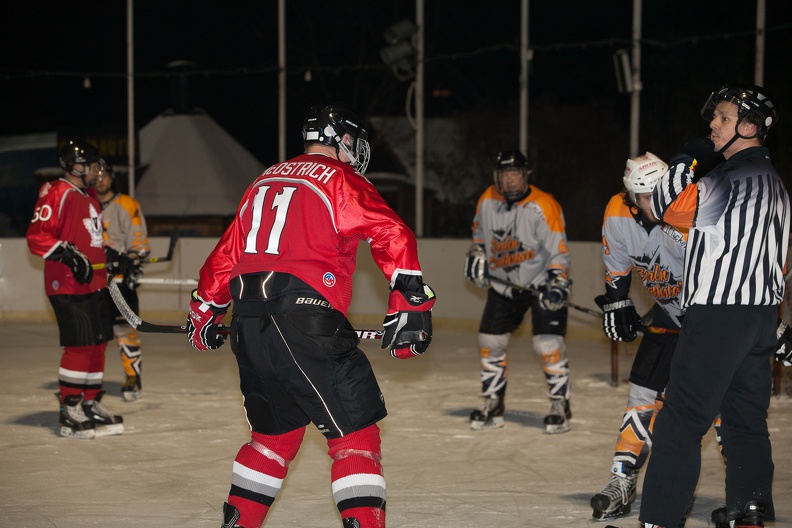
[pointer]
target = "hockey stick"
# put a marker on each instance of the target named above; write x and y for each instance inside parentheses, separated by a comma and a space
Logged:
(536, 293)
(136, 322)
(150, 260)
(168, 281)
(533, 291)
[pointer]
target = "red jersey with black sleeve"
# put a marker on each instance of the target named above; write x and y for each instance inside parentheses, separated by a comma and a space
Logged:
(65, 212)
(305, 217)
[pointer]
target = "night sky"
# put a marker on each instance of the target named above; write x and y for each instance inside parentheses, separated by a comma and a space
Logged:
(578, 122)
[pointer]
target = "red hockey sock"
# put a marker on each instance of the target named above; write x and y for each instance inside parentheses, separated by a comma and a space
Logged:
(358, 482)
(259, 469)
(82, 371)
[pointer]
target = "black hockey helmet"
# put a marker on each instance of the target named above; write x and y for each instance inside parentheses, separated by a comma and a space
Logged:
(328, 124)
(78, 152)
(510, 160)
(753, 102)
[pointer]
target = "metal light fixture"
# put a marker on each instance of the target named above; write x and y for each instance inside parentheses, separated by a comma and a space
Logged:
(400, 52)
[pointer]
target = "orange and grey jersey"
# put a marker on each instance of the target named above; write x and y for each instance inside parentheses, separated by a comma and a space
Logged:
(124, 225)
(524, 240)
(655, 251)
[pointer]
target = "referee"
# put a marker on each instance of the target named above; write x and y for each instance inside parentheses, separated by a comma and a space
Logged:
(738, 215)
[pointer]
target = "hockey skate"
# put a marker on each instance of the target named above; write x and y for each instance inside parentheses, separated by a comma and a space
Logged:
(230, 516)
(615, 498)
(720, 518)
(73, 422)
(106, 424)
(491, 414)
(557, 419)
(131, 389)
(753, 518)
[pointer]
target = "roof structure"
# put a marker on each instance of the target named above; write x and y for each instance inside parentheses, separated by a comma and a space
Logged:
(443, 153)
(192, 166)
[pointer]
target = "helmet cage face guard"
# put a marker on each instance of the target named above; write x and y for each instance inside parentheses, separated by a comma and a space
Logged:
(329, 126)
(752, 105)
(511, 161)
(512, 196)
(360, 152)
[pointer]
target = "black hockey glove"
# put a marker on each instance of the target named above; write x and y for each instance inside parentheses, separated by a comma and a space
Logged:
(135, 273)
(117, 263)
(78, 263)
(556, 292)
(784, 352)
(620, 320)
(476, 269)
(203, 323)
(697, 147)
(408, 323)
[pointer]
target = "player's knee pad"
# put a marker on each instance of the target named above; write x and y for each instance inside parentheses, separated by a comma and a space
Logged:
(641, 397)
(550, 347)
(281, 448)
(126, 335)
(365, 442)
(493, 345)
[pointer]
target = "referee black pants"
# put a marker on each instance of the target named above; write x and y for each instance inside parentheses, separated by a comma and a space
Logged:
(722, 363)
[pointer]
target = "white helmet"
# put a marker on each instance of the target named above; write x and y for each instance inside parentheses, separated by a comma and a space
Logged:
(642, 173)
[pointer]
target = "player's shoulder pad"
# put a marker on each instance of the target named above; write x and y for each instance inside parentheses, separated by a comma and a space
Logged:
(617, 208)
(544, 200)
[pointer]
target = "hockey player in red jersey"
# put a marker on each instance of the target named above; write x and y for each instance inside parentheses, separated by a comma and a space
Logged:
(286, 262)
(519, 238)
(66, 230)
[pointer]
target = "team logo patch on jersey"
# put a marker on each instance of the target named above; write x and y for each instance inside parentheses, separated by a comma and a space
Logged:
(55, 285)
(329, 279)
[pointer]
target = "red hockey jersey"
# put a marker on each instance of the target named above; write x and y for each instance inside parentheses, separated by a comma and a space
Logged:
(305, 216)
(64, 212)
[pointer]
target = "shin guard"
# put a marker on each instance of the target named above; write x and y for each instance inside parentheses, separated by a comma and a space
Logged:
(259, 469)
(635, 435)
(129, 348)
(494, 363)
(357, 479)
(552, 349)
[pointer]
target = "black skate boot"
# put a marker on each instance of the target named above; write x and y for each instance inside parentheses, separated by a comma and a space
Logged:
(753, 518)
(557, 419)
(106, 424)
(230, 516)
(73, 422)
(615, 498)
(131, 389)
(491, 414)
(720, 518)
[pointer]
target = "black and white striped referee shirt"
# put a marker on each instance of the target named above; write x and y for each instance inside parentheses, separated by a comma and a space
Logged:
(738, 241)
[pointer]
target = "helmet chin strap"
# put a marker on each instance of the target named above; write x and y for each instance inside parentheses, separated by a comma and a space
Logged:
(80, 175)
(736, 136)
(341, 146)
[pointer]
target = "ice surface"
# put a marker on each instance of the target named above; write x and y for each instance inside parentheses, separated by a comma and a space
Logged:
(172, 467)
